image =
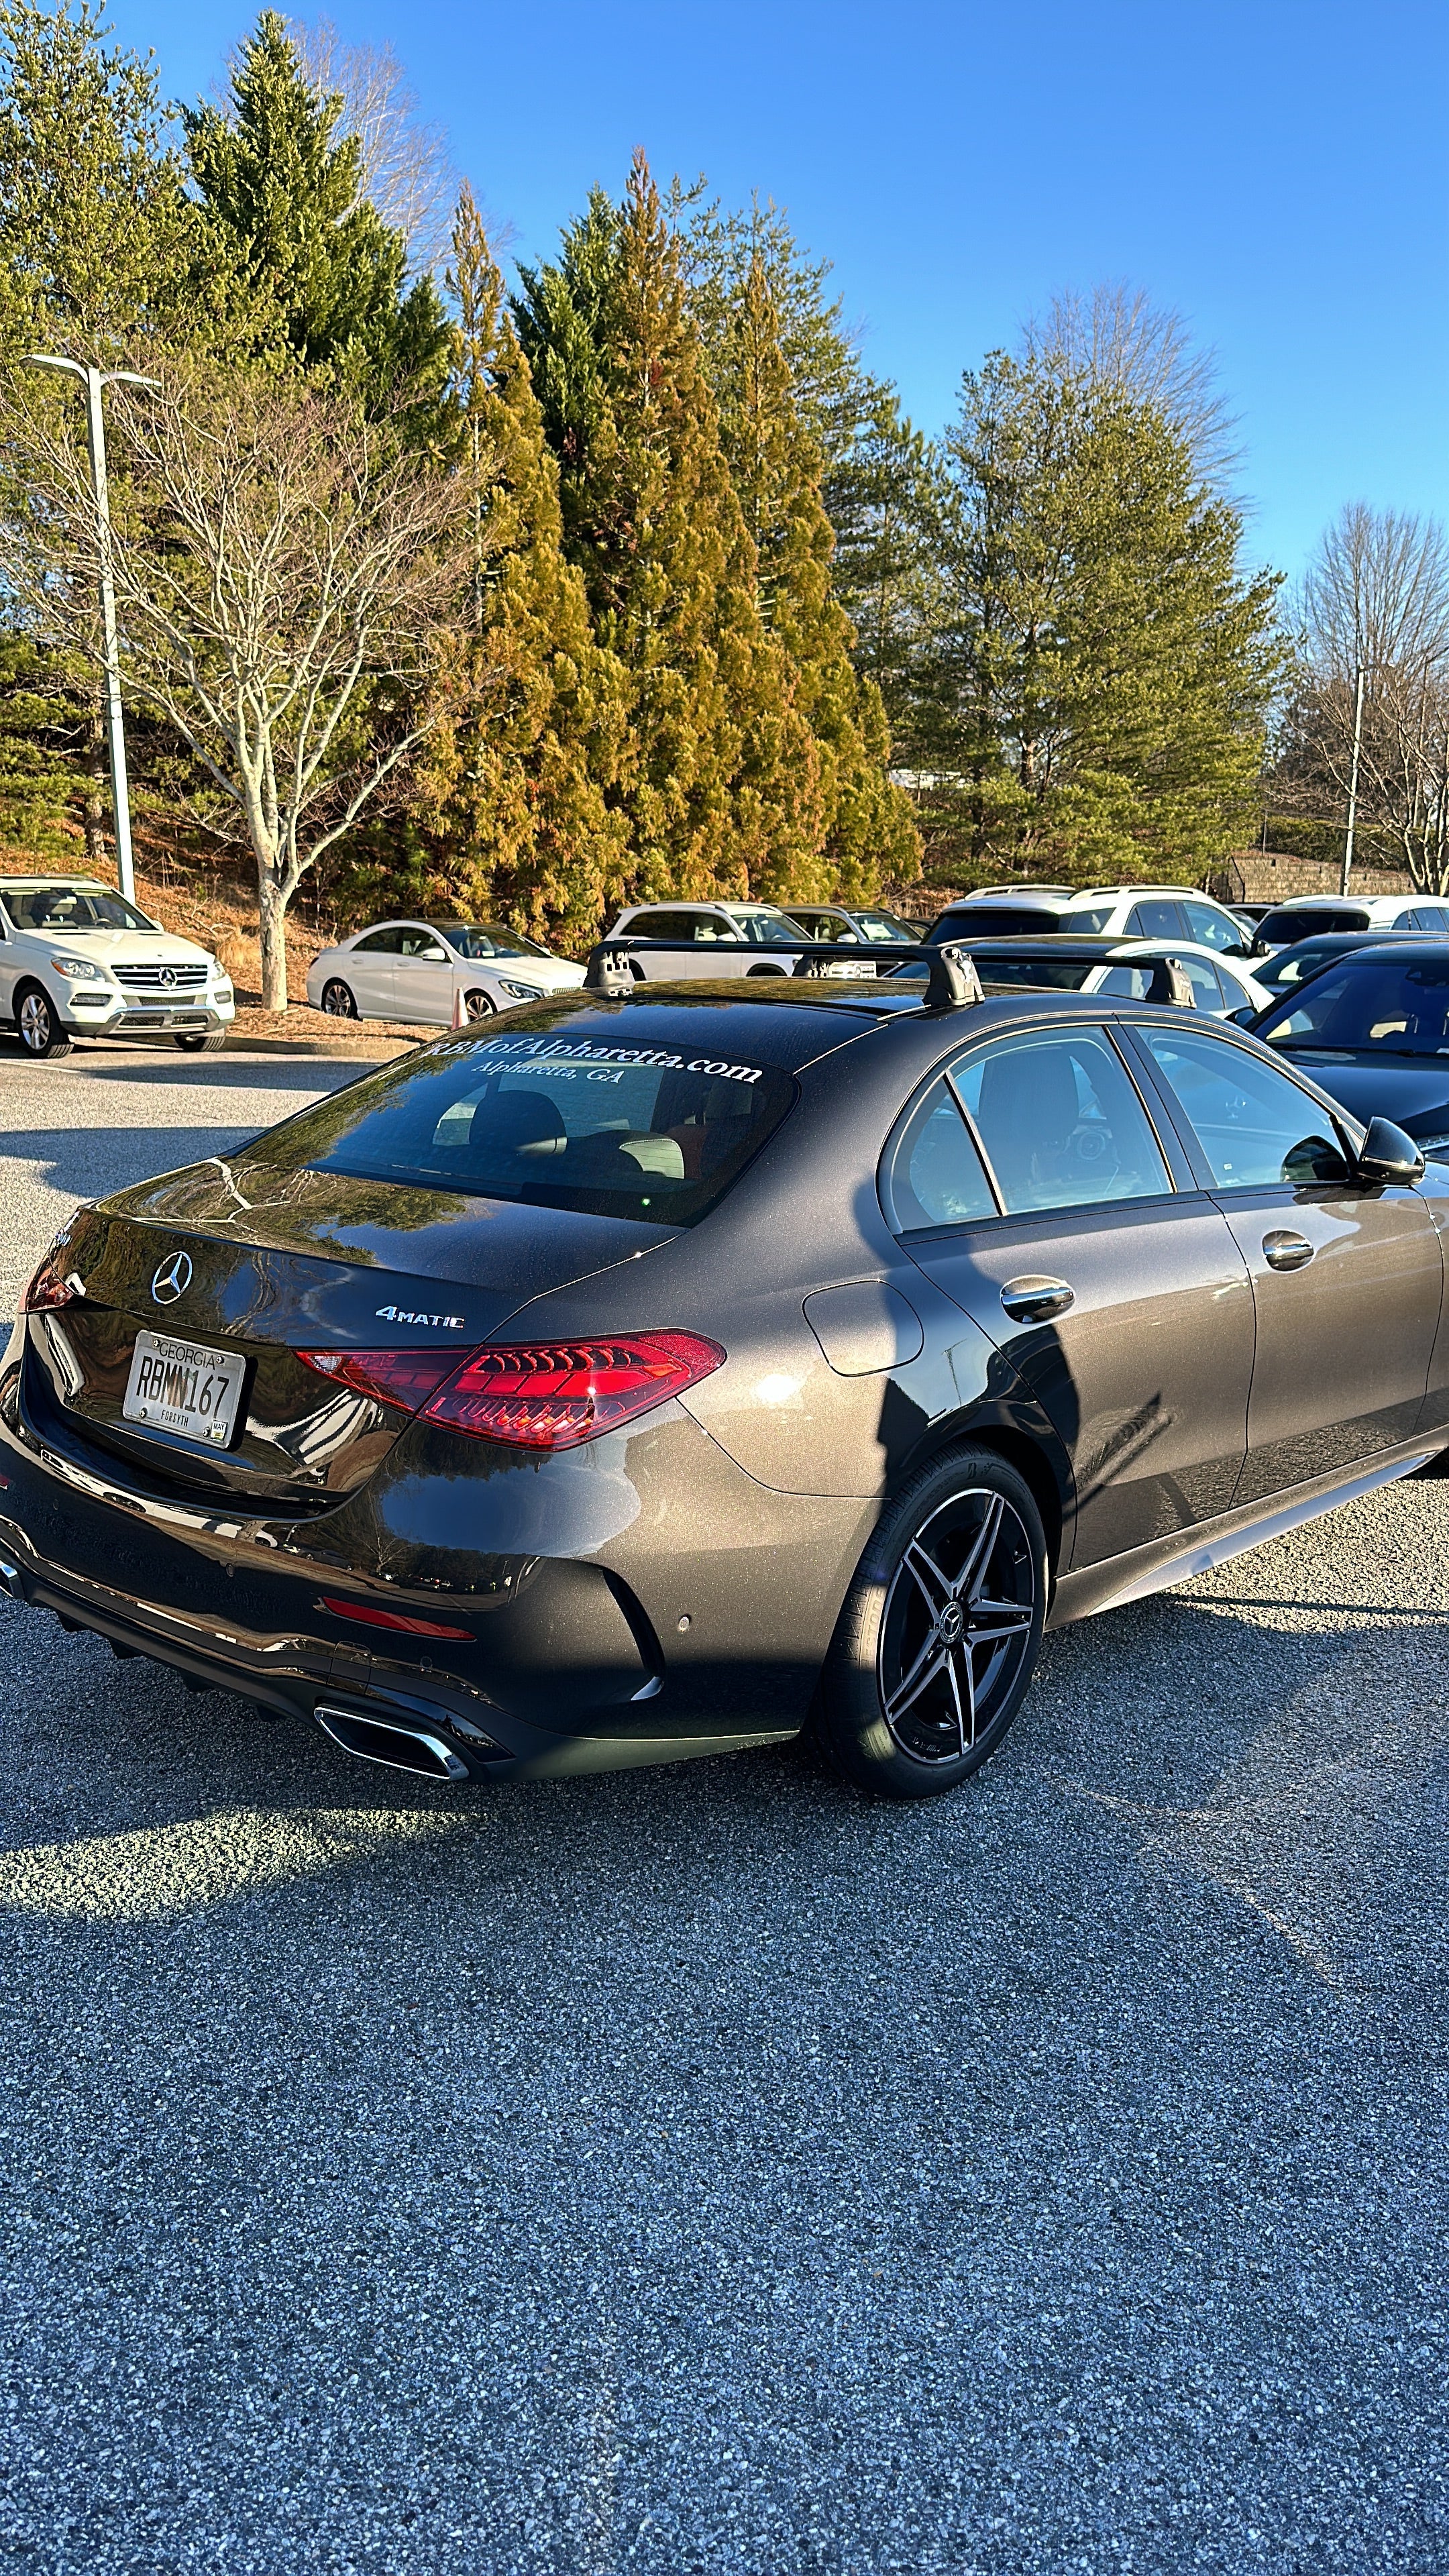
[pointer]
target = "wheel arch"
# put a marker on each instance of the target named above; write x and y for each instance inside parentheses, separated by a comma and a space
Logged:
(1035, 1453)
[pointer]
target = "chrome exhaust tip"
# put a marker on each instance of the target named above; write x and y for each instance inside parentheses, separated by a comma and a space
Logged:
(399, 1748)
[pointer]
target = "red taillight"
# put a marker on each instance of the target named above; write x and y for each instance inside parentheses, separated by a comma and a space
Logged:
(394, 1619)
(405, 1378)
(48, 1288)
(553, 1395)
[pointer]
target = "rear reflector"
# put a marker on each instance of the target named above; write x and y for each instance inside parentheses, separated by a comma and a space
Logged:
(367, 1617)
(555, 1395)
(404, 1378)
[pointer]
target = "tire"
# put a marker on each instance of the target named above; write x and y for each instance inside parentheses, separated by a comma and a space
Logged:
(480, 1006)
(202, 1042)
(766, 970)
(905, 1711)
(37, 1024)
(338, 999)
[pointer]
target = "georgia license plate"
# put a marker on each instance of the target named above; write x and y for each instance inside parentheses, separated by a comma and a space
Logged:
(185, 1388)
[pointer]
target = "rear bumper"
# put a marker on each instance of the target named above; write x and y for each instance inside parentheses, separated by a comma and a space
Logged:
(347, 1693)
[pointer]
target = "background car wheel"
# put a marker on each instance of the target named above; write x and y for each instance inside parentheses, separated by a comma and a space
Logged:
(338, 1000)
(202, 1041)
(767, 970)
(480, 1006)
(36, 1020)
(940, 1631)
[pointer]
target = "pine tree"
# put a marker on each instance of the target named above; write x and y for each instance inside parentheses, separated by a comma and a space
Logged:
(326, 277)
(513, 794)
(865, 825)
(720, 787)
(96, 233)
(1099, 669)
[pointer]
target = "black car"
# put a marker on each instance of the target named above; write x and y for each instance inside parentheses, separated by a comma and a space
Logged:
(1288, 967)
(659, 1374)
(1373, 1029)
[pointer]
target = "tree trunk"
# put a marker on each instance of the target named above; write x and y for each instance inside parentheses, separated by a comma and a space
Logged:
(272, 924)
(93, 810)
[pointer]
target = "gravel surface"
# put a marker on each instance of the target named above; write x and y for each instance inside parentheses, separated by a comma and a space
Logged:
(701, 2170)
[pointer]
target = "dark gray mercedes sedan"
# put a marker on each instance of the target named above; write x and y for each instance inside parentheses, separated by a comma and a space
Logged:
(664, 1374)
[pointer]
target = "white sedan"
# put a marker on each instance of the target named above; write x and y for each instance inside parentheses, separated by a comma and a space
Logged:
(438, 971)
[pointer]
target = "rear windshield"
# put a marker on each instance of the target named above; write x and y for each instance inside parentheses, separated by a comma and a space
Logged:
(994, 921)
(1293, 923)
(552, 1121)
(72, 908)
(1088, 918)
(1062, 974)
(1371, 1003)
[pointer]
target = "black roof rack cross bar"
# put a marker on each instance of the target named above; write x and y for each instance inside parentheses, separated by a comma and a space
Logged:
(951, 977)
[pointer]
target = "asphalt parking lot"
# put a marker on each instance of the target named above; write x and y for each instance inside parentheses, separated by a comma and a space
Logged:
(700, 2170)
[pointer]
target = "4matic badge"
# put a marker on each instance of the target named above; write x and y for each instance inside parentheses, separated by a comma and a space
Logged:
(439, 1323)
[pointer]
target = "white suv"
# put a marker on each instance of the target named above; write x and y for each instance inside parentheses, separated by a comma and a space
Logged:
(1313, 915)
(78, 960)
(1155, 912)
(723, 938)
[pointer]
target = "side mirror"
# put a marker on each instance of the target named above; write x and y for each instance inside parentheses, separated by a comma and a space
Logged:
(1387, 1154)
(1244, 1018)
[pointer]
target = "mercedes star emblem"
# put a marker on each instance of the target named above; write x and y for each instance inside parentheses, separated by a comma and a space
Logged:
(172, 1279)
(167, 977)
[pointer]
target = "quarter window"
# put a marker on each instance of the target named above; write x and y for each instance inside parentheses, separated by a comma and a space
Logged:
(1255, 1127)
(1060, 1122)
(935, 1175)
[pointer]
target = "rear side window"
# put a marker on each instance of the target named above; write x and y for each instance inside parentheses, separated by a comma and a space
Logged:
(551, 1121)
(935, 1175)
(1156, 919)
(1060, 1121)
(380, 943)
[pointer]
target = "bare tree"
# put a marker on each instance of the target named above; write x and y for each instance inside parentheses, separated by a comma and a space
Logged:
(407, 173)
(1118, 338)
(284, 574)
(1376, 598)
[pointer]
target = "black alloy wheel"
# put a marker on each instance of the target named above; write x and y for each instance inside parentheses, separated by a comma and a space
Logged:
(202, 1041)
(941, 1630)
(39, 1028)
(338, 999)
(480, 1006)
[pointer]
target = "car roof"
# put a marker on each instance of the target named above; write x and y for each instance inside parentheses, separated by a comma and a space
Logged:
(76, 885)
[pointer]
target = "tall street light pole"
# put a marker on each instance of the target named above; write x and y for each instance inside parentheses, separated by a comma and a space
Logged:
(93, 381)
(1353, 778)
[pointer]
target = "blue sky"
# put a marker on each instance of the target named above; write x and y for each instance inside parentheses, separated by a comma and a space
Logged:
(1275, 171)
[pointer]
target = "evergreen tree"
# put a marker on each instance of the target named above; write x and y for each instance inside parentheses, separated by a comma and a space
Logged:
(1098, 670)
(326, 277)
(866, 827)
(513, 794)
(96, 233)
(720, 786)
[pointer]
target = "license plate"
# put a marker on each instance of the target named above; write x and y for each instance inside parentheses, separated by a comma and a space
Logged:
(185, 1388)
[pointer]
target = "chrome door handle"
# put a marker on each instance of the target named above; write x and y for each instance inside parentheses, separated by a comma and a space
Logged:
(1032, 1300)
(1284, 1251)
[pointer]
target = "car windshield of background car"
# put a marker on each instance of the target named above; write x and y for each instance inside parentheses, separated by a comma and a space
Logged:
(653, 1133)
(1254, 1125)
(487, 939)
(888, 926)
(69, 908)
(1060, 1121)
(1378, 1004)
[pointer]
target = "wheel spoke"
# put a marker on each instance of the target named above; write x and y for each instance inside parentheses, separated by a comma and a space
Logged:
(934, 1587)
(923, 1672)
(987, 1619)
(973, 1572)
(958, 1671)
